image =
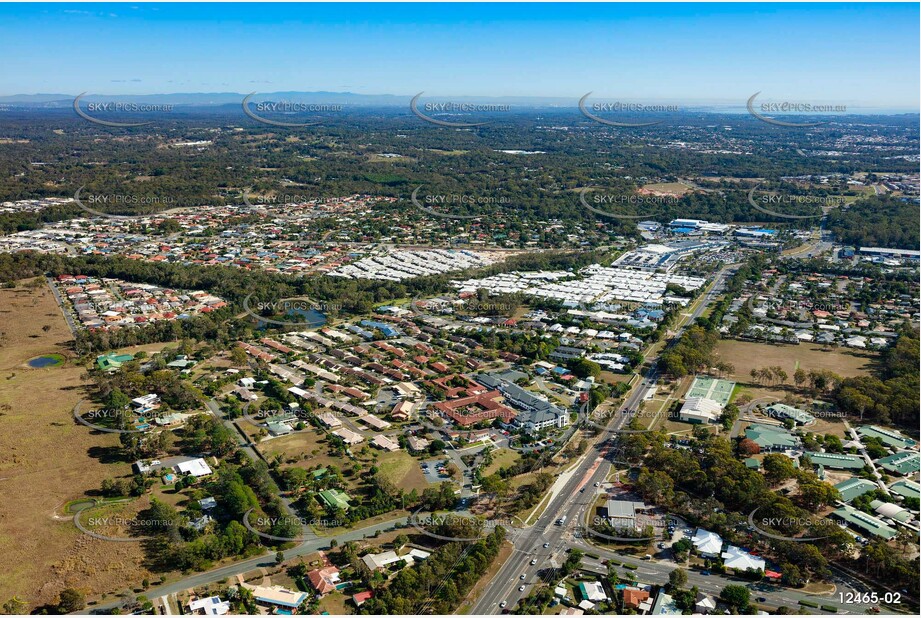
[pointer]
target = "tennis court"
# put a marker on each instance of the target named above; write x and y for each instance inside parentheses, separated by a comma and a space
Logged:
(710, 388)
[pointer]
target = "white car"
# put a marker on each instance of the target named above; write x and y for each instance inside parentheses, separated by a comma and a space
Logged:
(520, 588)
(503, 604)
(522, 577)
(546, 545)
(534, 561)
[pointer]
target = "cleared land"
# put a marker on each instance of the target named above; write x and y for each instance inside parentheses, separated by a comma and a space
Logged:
(303, 449)
(670, 188)
(47, 460)
(401, 469)
(746, 355)
(502, 458)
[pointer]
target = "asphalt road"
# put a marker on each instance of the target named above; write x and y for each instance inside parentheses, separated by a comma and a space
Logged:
(266, 560)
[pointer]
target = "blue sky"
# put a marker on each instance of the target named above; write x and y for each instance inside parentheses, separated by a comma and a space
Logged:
(858, 54)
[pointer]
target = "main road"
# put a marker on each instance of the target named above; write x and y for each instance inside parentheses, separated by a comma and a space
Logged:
(543, 546)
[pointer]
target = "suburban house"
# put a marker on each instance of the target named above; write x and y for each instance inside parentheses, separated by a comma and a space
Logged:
(379, 561)
(194, 467)
(210, 606)
(278, 598)
(324, 580)
(636, 598)
(592, 591)
(334, 499)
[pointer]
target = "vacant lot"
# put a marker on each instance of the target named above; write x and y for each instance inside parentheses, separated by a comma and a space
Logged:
(47, 459)
(304, 449)
(401, 469)
(746, 355)
(502, 458)
(668, 188)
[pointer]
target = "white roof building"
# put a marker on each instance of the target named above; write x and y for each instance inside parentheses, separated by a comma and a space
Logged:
(385, 443)
(700, 410)
(211, 606)
(593, 591)
(195, 467)
(707, 543)
(740, 560)
(348, 436)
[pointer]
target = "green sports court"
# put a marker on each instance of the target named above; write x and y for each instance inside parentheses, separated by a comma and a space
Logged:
(710, 388)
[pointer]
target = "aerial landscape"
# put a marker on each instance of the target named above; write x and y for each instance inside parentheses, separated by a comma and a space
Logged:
(435, 308)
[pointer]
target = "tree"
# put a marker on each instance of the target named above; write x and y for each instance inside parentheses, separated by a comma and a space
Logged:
(238, 356)
(573, 561)
(279, 557)
(747, 446)
(71, 600)
(677, 579)
(778, 468)
(737, 597)
(15, 606)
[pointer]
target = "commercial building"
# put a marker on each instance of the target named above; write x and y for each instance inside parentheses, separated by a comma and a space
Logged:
(738, 559)
(853, 488)
(836, 461)
(700, 410)
(708, 544)
(621, 513)
(782, 410)
(906, 489)
(903, 464)
(891, 511)
(890, 438)
(535, 413)
(769, 438)
(867, 523)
